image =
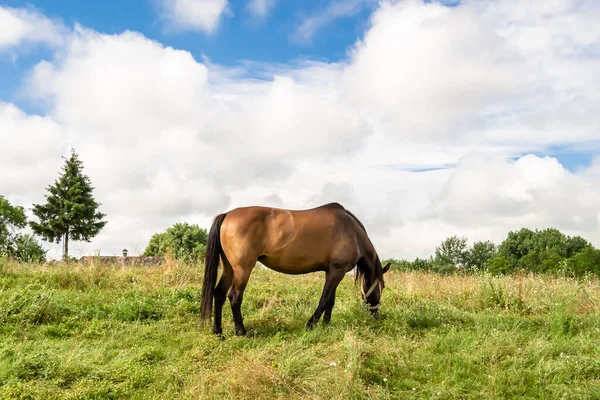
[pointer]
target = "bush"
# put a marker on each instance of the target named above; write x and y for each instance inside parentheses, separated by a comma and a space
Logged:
(586, 261)
(187, 243)
(18, 246)
(25, 248)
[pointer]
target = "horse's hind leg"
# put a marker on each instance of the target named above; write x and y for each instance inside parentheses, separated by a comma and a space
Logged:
(241, 274)
(221, 294)
(333, 277)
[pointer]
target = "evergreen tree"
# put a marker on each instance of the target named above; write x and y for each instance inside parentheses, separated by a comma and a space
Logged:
(71, 210)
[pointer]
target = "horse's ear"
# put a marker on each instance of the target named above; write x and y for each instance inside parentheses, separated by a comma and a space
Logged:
(387, 267)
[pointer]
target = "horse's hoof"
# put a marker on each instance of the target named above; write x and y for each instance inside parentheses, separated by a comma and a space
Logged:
(240, 332)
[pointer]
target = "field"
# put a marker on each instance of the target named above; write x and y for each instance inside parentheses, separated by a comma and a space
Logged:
(99, 332)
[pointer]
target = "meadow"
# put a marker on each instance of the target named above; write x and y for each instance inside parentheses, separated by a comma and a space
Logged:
(83, 331)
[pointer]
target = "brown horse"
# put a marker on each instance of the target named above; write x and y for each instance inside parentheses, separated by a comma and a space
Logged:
(327, 238)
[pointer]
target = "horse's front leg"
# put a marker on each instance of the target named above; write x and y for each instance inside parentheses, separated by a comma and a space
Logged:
(333, 277)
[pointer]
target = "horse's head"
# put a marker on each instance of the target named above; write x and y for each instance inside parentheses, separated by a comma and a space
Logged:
(372, 286)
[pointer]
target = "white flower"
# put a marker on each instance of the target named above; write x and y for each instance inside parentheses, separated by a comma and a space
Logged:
(385, 379)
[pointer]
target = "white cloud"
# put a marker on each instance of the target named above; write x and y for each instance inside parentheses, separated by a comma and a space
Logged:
(30, 151)
(166, 138)
(260, 8)
(19, 26)
(529, 191)
(425, 71)
(487, 196)
(196, 15)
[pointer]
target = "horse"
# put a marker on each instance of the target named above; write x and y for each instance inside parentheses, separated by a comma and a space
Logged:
(326, 238)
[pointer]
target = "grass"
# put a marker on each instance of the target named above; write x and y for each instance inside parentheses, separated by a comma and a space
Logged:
(101, 332)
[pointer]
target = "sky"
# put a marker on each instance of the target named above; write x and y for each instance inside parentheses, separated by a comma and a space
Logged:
(426, 119)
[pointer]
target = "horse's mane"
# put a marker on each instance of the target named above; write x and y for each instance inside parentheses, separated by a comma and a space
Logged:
(357, 220)
(360, 266)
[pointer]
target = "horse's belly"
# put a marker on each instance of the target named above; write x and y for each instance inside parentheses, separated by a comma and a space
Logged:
(294, 265)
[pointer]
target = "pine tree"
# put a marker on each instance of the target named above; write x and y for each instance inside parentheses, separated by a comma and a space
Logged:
(71, 210)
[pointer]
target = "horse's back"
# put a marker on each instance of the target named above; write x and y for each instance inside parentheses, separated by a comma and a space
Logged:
(292, 241)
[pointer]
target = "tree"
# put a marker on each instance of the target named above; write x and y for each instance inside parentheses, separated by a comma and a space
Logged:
(481, 253)
(517, 245)
(540, 250)
(21, 247)
(452, 251)
(11, 218)
(71, 212)
(187, 242)
(497, 265)
(544, 260)
(588, 260)
(551, 239)
(575, 245)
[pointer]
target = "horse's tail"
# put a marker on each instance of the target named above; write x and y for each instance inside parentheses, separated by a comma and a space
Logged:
(211, 265)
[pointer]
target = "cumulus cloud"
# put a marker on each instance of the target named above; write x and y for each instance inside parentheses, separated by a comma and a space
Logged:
(486, 196)
(195, 15)
(20, 25)
(120, 85)
(30, 151)
(427, 70)
(415, 131)
(529, 191)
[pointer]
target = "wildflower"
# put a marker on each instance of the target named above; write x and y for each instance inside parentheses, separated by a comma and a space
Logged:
(332, 364)
(385, 379)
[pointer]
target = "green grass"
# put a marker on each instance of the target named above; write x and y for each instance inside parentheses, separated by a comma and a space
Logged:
(98, 332)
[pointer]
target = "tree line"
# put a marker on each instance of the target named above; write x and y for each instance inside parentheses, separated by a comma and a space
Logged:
(541, 250)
